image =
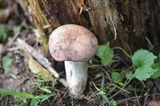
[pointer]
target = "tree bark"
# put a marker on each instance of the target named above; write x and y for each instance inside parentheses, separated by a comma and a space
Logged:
(124, 23)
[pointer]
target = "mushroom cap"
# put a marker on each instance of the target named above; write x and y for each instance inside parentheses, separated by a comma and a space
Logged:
(72, 43)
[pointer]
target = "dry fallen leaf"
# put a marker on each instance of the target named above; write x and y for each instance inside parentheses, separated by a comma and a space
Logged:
(36, 68)
(154, 103)
(39, 57)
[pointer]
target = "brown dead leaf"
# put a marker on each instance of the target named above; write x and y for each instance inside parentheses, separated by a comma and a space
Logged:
(38, 69)
(6, 14)
(12, 79)
(38, 56)
(154, 103)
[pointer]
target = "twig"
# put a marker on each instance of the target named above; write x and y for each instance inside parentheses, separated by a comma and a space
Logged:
(42, 60)
(114, 28)
(10, 42)
(132, 98)
(122, 51)
(123, 90)
(137, 99)
(125, 84)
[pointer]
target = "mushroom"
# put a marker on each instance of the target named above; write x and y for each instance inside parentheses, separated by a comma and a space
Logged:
(75, 45)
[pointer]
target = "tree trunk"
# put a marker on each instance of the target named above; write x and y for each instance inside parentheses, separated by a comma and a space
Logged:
(124, 23)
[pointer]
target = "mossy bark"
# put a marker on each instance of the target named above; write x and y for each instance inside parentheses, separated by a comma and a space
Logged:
(124, 23)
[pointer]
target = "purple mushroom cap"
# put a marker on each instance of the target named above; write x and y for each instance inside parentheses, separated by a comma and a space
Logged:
(72, 43)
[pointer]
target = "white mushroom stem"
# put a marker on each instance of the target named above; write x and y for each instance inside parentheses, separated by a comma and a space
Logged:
(76, 76)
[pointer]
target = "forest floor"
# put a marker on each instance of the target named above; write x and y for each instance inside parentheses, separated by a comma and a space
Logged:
(21, 85)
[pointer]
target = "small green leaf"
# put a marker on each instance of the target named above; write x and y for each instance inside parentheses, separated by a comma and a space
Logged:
(45, 89)
(105, 98)
(6, 62)
(129, 75)
(105, 53)
(23, 103)
(121, 84)
(101, 50)
(34, 102)
(102, 92)
(16, 94)
(53, 83)
(102, 83)
(2, 29)
(42, 79)
(157, 73)
(143, 60)
(113, 103)
(3, 33)
(16, 30)
(116, 76)
(44, 97)
(144, 72)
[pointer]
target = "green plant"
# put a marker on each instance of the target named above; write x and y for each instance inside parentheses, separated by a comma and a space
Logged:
(42, 94)
(116, 76)
(73, 102)
(157, 73)
(16, 30)
(35, 100)
(105, 53)
(143, 61)
(145, 65)
(3, 33)
(6, 62)
(1, 9)
(129, 75)
(102, 94)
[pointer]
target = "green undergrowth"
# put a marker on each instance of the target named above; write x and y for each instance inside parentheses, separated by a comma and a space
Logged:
(4, 32)
(145, 65)
(42, 93)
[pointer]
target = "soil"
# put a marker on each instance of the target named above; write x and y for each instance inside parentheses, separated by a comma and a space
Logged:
(20, 78)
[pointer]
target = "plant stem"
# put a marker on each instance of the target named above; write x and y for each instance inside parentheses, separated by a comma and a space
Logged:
(125, 84)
